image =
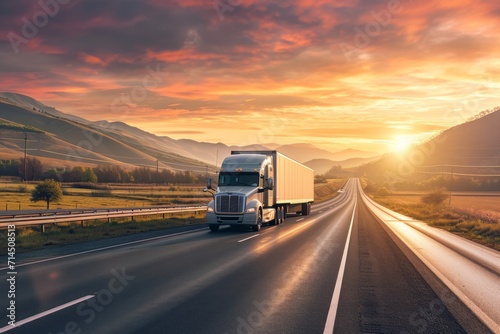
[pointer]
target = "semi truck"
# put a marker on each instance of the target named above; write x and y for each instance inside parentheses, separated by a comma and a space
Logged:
(259, 187)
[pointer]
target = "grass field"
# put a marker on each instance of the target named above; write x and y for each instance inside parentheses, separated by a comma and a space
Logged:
(474, 217)
(30, 238)
(16, 196)
(325, 191)
(462, 202)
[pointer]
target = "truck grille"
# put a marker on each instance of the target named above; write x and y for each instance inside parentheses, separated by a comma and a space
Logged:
(229, 203)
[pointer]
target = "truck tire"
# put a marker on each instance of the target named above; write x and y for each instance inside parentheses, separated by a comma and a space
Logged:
(306, 209)
(257, 226)
(213, 227)
(276, 220)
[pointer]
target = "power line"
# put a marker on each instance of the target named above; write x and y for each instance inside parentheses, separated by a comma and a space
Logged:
(170, 165)
(25, 153)
(460, 174)
(458, 166)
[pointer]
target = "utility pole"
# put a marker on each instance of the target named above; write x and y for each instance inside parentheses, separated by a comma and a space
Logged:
(451, 185)
(25, 153)
(157, 173)
(442, 175)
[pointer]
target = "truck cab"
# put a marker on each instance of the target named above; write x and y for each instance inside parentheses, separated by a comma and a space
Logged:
(244, 195)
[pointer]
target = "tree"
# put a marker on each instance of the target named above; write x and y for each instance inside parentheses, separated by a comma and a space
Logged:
(34, 168)
(383, 191)
(48, 191)
(320, 179)
(9, 167)
(333, 172)
(76, 174)
(50, 174)
(89, 176)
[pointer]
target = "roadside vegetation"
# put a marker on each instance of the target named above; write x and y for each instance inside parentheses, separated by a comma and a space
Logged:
(433, 207)
(98, 196)
(325, 189)
(31, 238)
(17, 196)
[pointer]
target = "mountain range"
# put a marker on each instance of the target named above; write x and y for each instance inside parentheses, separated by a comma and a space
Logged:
(470, 149)
(61, 139)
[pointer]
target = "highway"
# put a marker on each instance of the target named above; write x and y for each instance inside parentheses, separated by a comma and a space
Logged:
(336, 270)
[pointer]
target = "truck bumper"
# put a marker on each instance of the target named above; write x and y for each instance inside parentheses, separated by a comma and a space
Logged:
(247, 219)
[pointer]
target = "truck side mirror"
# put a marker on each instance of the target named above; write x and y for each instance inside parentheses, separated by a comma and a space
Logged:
(209, 185)
(270, 183)
(209, 188)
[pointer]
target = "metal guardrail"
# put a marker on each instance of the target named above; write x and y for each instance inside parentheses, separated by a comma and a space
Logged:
(22, 220)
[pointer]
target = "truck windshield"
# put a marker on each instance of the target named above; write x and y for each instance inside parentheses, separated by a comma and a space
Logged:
(239, 179)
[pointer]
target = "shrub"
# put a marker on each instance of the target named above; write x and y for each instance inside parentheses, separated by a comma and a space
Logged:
(435, 197)
(383, 191)
(320, 179)
(370, 188)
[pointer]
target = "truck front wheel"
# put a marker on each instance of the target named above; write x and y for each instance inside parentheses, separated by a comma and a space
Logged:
(258, 224)
(213, 227)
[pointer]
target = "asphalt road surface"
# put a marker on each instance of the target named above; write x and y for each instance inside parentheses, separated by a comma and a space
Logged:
(336, 270)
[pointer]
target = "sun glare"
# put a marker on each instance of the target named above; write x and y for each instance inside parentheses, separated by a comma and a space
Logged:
(402, 143)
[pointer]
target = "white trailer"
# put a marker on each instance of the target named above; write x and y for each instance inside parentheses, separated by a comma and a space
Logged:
(257, 187)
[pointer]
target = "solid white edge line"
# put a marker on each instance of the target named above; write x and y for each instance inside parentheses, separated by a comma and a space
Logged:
(253, 236)
(43, 314)
(103, 248)
(332, 312)
(300, 219)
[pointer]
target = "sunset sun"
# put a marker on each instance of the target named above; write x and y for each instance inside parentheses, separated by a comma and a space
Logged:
(402, 143)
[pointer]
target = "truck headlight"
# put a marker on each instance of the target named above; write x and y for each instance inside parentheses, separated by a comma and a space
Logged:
(210, 209)
(250, 210)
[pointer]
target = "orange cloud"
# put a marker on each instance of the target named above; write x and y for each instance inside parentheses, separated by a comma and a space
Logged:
(401, 73)
(93, 60)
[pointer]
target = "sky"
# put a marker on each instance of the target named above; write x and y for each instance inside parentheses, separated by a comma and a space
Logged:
(369, 75)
